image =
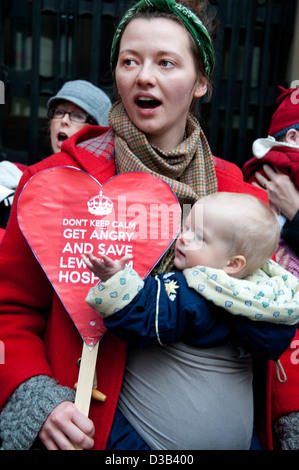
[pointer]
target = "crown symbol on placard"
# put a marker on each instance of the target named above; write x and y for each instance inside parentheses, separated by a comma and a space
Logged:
(100, 205)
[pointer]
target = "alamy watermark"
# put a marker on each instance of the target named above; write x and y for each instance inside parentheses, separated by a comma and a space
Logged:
(295, 355)
(2, 353)
(2, 92)
(295, 94)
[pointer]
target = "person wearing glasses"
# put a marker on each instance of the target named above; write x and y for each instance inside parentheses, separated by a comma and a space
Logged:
(76, 105)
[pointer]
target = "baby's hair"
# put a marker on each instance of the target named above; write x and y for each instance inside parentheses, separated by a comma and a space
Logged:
(249, 226)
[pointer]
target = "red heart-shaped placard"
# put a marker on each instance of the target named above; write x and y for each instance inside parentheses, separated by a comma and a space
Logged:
(64, 212)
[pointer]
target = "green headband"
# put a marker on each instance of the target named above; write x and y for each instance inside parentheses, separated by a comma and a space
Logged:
(193, 24)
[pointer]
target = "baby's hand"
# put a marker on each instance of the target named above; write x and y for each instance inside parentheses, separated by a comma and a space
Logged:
(106, 267)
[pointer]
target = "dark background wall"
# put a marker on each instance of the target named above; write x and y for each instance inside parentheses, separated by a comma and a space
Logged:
(44, 43)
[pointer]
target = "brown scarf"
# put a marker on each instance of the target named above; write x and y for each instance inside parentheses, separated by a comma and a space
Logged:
(188, 169)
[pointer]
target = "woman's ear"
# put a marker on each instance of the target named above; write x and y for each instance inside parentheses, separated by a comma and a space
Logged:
(200, 89)
(235, 264)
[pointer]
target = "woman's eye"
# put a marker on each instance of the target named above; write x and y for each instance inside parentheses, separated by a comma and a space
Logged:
(128, 62)
(79, 116)
(59, 113)
(199, 237)
(166, 63)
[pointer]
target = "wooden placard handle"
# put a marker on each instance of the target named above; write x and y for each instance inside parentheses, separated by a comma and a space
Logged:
(86, 378)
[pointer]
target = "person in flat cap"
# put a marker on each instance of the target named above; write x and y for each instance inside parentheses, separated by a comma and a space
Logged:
(77, 104)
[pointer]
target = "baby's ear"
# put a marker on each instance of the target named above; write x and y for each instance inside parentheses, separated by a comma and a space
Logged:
(291, 136)
(235, 264)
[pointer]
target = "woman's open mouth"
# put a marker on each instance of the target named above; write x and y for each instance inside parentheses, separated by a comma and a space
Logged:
(145, 102)
(61, 137)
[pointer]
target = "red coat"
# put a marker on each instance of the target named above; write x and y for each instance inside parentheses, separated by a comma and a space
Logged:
(281, 396)
(38, 335)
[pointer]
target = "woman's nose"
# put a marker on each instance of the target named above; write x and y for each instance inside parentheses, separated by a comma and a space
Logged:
(146, 75)
(66, 119)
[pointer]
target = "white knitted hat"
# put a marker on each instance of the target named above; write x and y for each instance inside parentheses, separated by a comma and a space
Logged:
(87, 96)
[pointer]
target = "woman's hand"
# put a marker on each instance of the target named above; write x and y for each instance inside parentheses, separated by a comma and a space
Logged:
(67, 428)
(282, 192)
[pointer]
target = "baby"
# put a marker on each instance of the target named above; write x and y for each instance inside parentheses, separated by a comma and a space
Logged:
(223, 254)
(281, 148)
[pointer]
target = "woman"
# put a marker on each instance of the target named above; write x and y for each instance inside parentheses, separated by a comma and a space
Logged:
(76, 105)
(159, 69)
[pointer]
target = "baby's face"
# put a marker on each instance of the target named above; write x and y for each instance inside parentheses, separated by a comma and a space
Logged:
(200, 242)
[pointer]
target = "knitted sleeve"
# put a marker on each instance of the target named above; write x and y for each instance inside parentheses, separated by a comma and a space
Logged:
(287, 431)
(27, 409)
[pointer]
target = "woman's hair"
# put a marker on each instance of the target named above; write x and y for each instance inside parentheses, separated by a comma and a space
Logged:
(248, 225)
(199, 8)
